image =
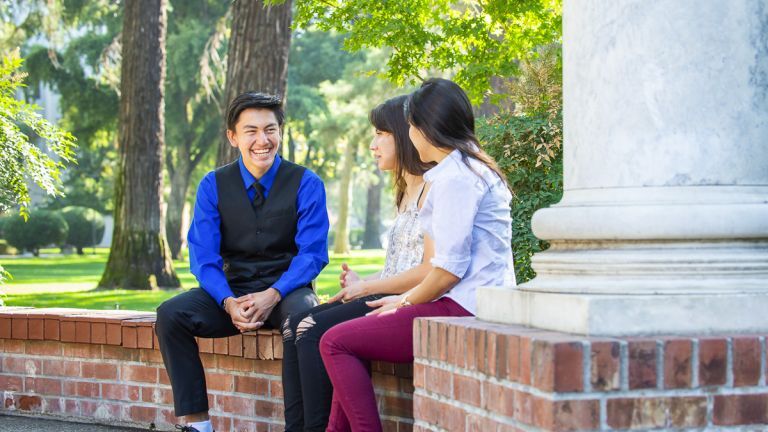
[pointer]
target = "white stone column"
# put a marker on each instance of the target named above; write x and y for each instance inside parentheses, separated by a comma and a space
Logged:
(663, 226)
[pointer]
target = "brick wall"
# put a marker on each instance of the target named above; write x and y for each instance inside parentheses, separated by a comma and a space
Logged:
(105, 367)
(477, 376)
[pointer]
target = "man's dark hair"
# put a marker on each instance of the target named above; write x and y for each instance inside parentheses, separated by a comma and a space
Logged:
(252, 99)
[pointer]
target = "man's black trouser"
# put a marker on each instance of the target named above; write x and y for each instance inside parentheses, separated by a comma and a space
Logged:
(307, 390)
(195, 313)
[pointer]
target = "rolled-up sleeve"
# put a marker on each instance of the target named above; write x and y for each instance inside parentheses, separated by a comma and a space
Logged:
(455, 202)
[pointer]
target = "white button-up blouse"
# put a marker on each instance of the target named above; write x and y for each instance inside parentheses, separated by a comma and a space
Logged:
(467, 214)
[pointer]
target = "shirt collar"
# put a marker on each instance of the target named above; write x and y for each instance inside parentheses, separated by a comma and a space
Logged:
(266, 180)
(435, 171)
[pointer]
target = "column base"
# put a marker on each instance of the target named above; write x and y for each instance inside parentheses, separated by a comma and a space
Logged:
(625, 315)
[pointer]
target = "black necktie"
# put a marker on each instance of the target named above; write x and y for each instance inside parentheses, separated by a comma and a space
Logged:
(258, 197)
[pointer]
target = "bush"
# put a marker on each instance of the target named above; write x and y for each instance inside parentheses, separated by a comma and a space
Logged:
(86, 227)
(528, 150)
(3, 220)
(43, 228)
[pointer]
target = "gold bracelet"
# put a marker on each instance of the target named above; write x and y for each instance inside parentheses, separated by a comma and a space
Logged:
(404, 302)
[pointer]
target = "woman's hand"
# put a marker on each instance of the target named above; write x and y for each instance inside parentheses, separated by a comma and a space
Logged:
(384, 304)
(347, 276)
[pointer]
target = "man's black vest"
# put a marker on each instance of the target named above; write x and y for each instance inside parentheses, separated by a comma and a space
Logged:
(257, 245)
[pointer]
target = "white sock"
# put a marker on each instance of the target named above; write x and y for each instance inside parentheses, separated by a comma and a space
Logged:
(203, 426)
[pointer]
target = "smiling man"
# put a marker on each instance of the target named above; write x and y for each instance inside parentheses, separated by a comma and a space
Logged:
(257, 240)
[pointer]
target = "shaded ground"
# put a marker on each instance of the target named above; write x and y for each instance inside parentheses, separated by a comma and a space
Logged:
(30, 424)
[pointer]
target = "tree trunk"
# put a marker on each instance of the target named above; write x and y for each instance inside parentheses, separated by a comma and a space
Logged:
(341, 235)
(139, 257)
(371, 238)
(176, 200)
(258, 55)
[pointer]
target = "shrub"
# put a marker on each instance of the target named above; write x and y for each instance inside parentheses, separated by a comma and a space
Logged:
(523, 148)
(86, 227)
(5, 249)
(43, 228)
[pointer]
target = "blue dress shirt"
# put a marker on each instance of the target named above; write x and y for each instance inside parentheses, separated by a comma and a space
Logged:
(204, 238)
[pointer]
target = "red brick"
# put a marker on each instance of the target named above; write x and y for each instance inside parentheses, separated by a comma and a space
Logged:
(712, 362)
(130, 337)
(11, 383)
(150, 356)
(512, 370)
(52, 405)
(88, 351)
(100, 409)
(735, 410)
(638, 413)
(432, 345)
(144, 337)
(275, 389)
(19, 329)
(526, 354)
(5, 328)
(558, 366)
(452, 347)
(80, 388)
(746, 361)
(61, 368)
(120, 392)
(120, 353)
(44, 386)
(102, 371)
(466, 389)
(460, 357)
(220, 423)
(35, 329)
(249, 425)
(138, 373)
(219, 382)
(522, 405)
(605, 365)
(29, 403)
(12, 346)
(481, 350)
(419, 376)
(677, 363)
(143, 414)
(67, 331)
(642, 364)
(205, 345)
(45, 348)
(439, 381)
(236, 346)
(163, 376)
(251, 385)
(250, 346)
(386, 382)
(20, 365)
(450, 417)
(220, 346)
(566, 415)
(51, 329)
(266, 349)
(114, 334)
(492, 353)
(396, 406)
(420, 334)
(498, 399)
(688, 412)
(157, 395)
(235, 404)
(99, 333)
(82, 332)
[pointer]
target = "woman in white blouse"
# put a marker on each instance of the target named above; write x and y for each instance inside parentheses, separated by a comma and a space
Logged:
(467, 214)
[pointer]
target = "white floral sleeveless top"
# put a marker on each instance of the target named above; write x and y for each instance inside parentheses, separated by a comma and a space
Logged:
(405, 248)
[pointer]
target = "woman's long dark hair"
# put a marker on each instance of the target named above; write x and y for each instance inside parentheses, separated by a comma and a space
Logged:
(389, 117)
(442, 112)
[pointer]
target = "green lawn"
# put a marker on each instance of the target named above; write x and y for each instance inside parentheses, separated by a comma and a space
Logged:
(69, 281)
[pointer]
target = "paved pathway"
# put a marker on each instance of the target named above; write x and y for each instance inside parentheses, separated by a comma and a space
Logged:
(30, 424)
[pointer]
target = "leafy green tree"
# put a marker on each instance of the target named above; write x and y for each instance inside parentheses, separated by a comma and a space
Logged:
(478, 40)
(21, 161)
(41, 228)
(86, 227)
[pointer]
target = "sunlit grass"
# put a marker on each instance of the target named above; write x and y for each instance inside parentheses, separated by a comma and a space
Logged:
(70, 281)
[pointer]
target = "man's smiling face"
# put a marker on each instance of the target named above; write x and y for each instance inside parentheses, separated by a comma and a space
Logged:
(257, 136)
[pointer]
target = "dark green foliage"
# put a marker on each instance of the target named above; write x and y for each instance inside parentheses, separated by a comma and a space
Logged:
(43, 228)
(527, 150)
(86, 227)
